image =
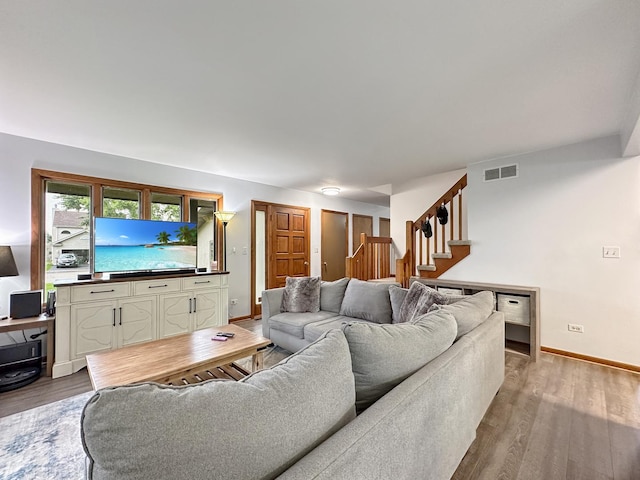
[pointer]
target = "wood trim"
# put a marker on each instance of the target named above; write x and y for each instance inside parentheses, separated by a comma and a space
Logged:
(237, 319)
(37, 229)
(589, 358)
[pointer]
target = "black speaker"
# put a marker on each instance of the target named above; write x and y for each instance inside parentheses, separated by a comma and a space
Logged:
(20, 365)
(51, 303)
(25, 304)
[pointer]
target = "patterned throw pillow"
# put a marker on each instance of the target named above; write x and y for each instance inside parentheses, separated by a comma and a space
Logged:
(418, 301)
(301, 294)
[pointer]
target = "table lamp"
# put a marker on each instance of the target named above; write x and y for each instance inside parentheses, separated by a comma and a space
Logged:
(7, 263)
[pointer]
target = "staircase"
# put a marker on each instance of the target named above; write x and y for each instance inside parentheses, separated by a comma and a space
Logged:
(372, 260)
(433, 248)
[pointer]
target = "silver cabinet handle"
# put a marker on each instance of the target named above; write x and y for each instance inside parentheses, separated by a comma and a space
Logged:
(190, 311)
(194, 305)
(120, 315)
(102, 291)
(114, 316)
(158, 286)
(198, 283)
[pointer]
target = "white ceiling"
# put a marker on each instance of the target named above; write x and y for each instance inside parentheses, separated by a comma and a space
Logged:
(364, 94)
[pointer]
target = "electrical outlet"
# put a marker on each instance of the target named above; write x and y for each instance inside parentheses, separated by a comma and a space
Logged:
(576, 328)
(611, 252)
(234, 301)
(244, 250)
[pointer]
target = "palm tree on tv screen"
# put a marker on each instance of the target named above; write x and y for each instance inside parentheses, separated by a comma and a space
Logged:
(187, 235)
(163, 237)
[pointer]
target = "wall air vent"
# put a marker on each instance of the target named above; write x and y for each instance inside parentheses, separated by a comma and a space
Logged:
(498, 173)
(491, 174)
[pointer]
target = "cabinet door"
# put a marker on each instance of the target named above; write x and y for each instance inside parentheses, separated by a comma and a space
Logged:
(207, 309)
(92, 328)
(136, 320)
(175, 313)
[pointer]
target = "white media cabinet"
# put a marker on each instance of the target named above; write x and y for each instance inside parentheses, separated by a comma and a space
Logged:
(97, 315)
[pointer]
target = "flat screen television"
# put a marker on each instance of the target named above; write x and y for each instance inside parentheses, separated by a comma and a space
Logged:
(131, 245)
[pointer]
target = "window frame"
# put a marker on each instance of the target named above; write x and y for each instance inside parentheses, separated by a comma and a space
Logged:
(39, 178)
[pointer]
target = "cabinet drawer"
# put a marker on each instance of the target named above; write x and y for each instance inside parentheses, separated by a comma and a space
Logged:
(515, 308)
(149, 287)
(87, 293)
(204, 281)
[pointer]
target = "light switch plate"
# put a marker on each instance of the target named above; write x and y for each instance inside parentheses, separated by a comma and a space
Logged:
(611, 252)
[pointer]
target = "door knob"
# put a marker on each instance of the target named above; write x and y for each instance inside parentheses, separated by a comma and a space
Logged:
(306, 263)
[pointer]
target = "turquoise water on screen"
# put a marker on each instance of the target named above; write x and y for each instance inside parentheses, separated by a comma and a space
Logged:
(139, 257)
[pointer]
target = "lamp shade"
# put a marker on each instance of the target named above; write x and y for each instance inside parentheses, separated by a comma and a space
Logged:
(224, 217)
(7, 263)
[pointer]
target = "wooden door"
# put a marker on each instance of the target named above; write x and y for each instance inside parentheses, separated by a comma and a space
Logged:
(384, 227)
(361, 224)
(288, 250)
(334, 243)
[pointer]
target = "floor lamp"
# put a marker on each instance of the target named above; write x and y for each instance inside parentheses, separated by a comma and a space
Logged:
(7, 264)
(224, 217)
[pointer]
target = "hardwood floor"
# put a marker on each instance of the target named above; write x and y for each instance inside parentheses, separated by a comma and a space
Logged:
(555, 419)
(559, 418)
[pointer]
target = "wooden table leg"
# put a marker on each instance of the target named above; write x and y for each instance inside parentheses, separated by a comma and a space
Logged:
(257, 362)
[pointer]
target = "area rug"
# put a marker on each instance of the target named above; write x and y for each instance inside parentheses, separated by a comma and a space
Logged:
(44, 443)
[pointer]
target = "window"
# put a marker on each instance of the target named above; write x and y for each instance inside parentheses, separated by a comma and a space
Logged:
(202, 210)
(64, 206)
(166, 207)
(120, 203)
(67, 225)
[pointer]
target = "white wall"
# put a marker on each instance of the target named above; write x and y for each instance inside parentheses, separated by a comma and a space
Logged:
(547, 228)
(18, 155)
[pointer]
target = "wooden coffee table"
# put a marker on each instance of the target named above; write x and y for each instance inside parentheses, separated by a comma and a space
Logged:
(179, 360)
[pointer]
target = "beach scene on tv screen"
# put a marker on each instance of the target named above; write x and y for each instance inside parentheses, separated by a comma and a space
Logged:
(123, 245)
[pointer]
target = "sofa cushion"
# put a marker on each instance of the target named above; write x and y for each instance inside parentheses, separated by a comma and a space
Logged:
(382, 356)
(294, 323)
(254, 428)
(470, 311)
(301, 294)
(418, 300)
(331, 294)
(313, 331)
(396, 295)
(367, 301)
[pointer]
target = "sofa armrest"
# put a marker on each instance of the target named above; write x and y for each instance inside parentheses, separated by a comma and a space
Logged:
(271, 302)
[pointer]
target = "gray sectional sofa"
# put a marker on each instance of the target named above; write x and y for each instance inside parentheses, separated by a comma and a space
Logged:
(341, 301)
(421, 388)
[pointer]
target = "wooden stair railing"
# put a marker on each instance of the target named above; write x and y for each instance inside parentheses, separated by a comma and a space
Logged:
(430, 255)
(372, 259)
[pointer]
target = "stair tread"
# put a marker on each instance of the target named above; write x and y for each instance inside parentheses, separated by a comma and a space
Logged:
(430, 268)
(459, 242)
(441, 255)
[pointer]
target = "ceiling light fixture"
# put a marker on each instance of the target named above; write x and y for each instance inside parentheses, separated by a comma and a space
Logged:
(331, 191)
